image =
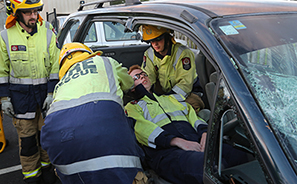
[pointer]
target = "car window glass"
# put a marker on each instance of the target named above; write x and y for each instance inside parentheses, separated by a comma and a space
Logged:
(91, 35)
(183, 39)
(73, 25)
(269, 65)
(115, 32)
(229, 137)
(73, 30)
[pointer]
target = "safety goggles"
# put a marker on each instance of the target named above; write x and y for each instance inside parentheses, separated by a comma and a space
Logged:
(138, 75)
(158, 38)
(30, 12)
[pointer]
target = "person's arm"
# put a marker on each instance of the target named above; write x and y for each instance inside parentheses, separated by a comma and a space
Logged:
(126, 81)
(147, 132)
(148, 65)
(4, 70)
(203, 141)
(185, 73)
(198, 124)
(186, 145)
(54, 52)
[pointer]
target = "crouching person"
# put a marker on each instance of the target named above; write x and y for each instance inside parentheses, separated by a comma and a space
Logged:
(87, 135)
(172, 135)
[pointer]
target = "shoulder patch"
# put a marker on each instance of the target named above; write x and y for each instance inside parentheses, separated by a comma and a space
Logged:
(186, 63)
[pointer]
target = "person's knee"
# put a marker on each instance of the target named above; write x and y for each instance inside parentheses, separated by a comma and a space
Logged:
(29, 146)
(192, 166)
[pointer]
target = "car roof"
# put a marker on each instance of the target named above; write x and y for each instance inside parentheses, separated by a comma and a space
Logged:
(223, 8)
(212, 8)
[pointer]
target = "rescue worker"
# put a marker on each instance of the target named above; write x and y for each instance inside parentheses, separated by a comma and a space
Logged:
(28, 73)
(87, 135)
(173, 137)
(171, 66)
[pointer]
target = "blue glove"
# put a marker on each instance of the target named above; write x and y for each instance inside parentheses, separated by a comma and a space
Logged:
(7, 106)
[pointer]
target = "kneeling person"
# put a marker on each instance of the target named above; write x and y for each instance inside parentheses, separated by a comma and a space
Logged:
(86, 134)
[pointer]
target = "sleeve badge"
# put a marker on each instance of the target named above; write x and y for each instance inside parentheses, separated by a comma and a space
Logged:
(186, 63)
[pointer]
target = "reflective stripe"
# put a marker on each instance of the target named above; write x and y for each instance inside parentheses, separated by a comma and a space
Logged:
(49, 34)
(150, 54)
(146, 113)
(44, 164)
(176, 113)
(178, 97)
(5, 38)
(159, 117)
(28, 115)
(182, 101)
(153, 136)
(3, 80)
(54, 76)
(177, 55)
(147, 116)
(93, 97)
(109, 72)
(95, 164)
(178, 90)
(32, 173)
(199, 122)
(27, 81)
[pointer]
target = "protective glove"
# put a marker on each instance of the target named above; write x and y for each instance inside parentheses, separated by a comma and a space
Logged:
(7, 106)
(47, 102)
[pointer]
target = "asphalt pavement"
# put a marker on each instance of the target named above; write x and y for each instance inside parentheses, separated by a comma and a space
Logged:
(10, 167)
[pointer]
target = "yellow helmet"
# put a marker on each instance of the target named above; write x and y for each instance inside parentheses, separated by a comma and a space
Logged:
(72, 53)
(150, 32)
(25, 5)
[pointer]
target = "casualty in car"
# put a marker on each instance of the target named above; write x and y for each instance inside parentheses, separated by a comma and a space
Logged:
(246, 60)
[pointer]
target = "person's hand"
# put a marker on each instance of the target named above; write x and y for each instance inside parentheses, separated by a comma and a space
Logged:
(186, 145)
(203, 141)
(47, 102)
(7, 106)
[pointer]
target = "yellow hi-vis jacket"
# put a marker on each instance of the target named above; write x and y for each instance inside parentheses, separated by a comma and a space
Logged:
(176, 72)
(28, 67)
(95, 79)
(27, 59)
(151, 115)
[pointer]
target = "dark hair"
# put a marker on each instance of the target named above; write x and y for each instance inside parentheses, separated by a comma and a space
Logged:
(167, 39)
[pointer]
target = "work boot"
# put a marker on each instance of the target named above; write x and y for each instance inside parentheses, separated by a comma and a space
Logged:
(48, 175)
(33, 180)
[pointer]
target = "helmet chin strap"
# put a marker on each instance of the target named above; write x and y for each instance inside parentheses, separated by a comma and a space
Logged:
(166, 42)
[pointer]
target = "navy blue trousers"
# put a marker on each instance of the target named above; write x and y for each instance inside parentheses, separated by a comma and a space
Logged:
(186, 167)
(87, 132)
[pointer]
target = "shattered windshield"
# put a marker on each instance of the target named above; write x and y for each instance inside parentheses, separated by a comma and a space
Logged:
(265, 47)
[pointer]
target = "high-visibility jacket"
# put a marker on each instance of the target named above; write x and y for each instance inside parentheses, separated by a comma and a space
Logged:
(86, 130)
(152, 115)
(176, 71)
(28, 67)
(110, 80)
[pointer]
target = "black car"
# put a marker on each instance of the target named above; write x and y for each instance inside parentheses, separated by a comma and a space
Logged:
(246, 59)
